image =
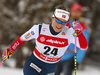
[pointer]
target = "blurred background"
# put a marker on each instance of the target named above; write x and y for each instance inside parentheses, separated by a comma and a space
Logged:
(18, 16)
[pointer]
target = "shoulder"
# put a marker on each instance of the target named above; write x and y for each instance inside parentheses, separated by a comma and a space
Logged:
(39, 27)
(36, 27)
(71, 30)
(68, 29)
(43, 26)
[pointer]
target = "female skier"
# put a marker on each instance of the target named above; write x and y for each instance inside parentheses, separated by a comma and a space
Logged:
(52, 40)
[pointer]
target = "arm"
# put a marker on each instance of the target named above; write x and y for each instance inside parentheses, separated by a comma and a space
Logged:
(16, 44)
(29, 35)
(81, 41)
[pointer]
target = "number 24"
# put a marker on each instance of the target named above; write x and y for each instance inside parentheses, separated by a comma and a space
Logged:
(48, 49)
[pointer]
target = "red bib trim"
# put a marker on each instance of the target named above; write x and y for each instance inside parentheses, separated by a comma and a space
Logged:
(45, 58)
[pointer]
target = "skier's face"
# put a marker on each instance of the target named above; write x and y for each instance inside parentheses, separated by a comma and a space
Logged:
(58, 26)
(75, 14)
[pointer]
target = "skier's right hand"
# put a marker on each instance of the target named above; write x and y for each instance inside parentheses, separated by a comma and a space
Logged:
(76, 26)
(6, 53)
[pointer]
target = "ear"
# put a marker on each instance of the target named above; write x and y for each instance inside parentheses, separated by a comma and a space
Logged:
(52, 18)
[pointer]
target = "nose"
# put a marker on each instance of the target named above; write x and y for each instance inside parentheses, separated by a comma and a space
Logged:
(59, 25)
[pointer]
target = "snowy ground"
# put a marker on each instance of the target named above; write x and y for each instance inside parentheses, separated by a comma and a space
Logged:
(9, 71)
(87, 71)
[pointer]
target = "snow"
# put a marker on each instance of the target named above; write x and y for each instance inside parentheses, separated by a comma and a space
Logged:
(10, 71)
(89, 70)
(11, 63)
(26, 51)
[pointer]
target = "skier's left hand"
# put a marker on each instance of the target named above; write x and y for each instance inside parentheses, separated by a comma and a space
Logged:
(77, 27)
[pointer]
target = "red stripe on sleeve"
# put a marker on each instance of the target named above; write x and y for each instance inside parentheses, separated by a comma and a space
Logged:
(16, 44)
(82, 41)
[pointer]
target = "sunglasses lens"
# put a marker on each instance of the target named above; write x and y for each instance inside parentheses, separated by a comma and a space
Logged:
(64, 23)
(58, 21)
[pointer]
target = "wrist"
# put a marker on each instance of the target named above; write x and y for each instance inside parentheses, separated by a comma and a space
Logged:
(78, 32)
(11, 51)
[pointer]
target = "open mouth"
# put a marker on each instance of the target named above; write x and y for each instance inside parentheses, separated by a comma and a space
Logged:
(58, 27)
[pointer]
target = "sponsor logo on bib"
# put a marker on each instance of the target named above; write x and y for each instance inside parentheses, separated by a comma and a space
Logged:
(54, 41)
(42, 39)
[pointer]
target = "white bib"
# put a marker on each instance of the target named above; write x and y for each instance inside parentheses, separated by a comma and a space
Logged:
(50, 48)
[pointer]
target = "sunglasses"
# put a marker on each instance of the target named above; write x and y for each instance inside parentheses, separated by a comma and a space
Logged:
(59, 22)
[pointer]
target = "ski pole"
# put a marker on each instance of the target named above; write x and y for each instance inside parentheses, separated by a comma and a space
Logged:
(4, 60)
(75, 58)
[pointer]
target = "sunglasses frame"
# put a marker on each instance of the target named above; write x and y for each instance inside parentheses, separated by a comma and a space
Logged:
(58, 21)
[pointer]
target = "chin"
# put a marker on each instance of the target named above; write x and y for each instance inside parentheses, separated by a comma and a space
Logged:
(58, 27)
(58, 30)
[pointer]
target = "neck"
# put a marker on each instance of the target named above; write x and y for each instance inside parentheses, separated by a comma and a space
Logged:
(53, 31)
